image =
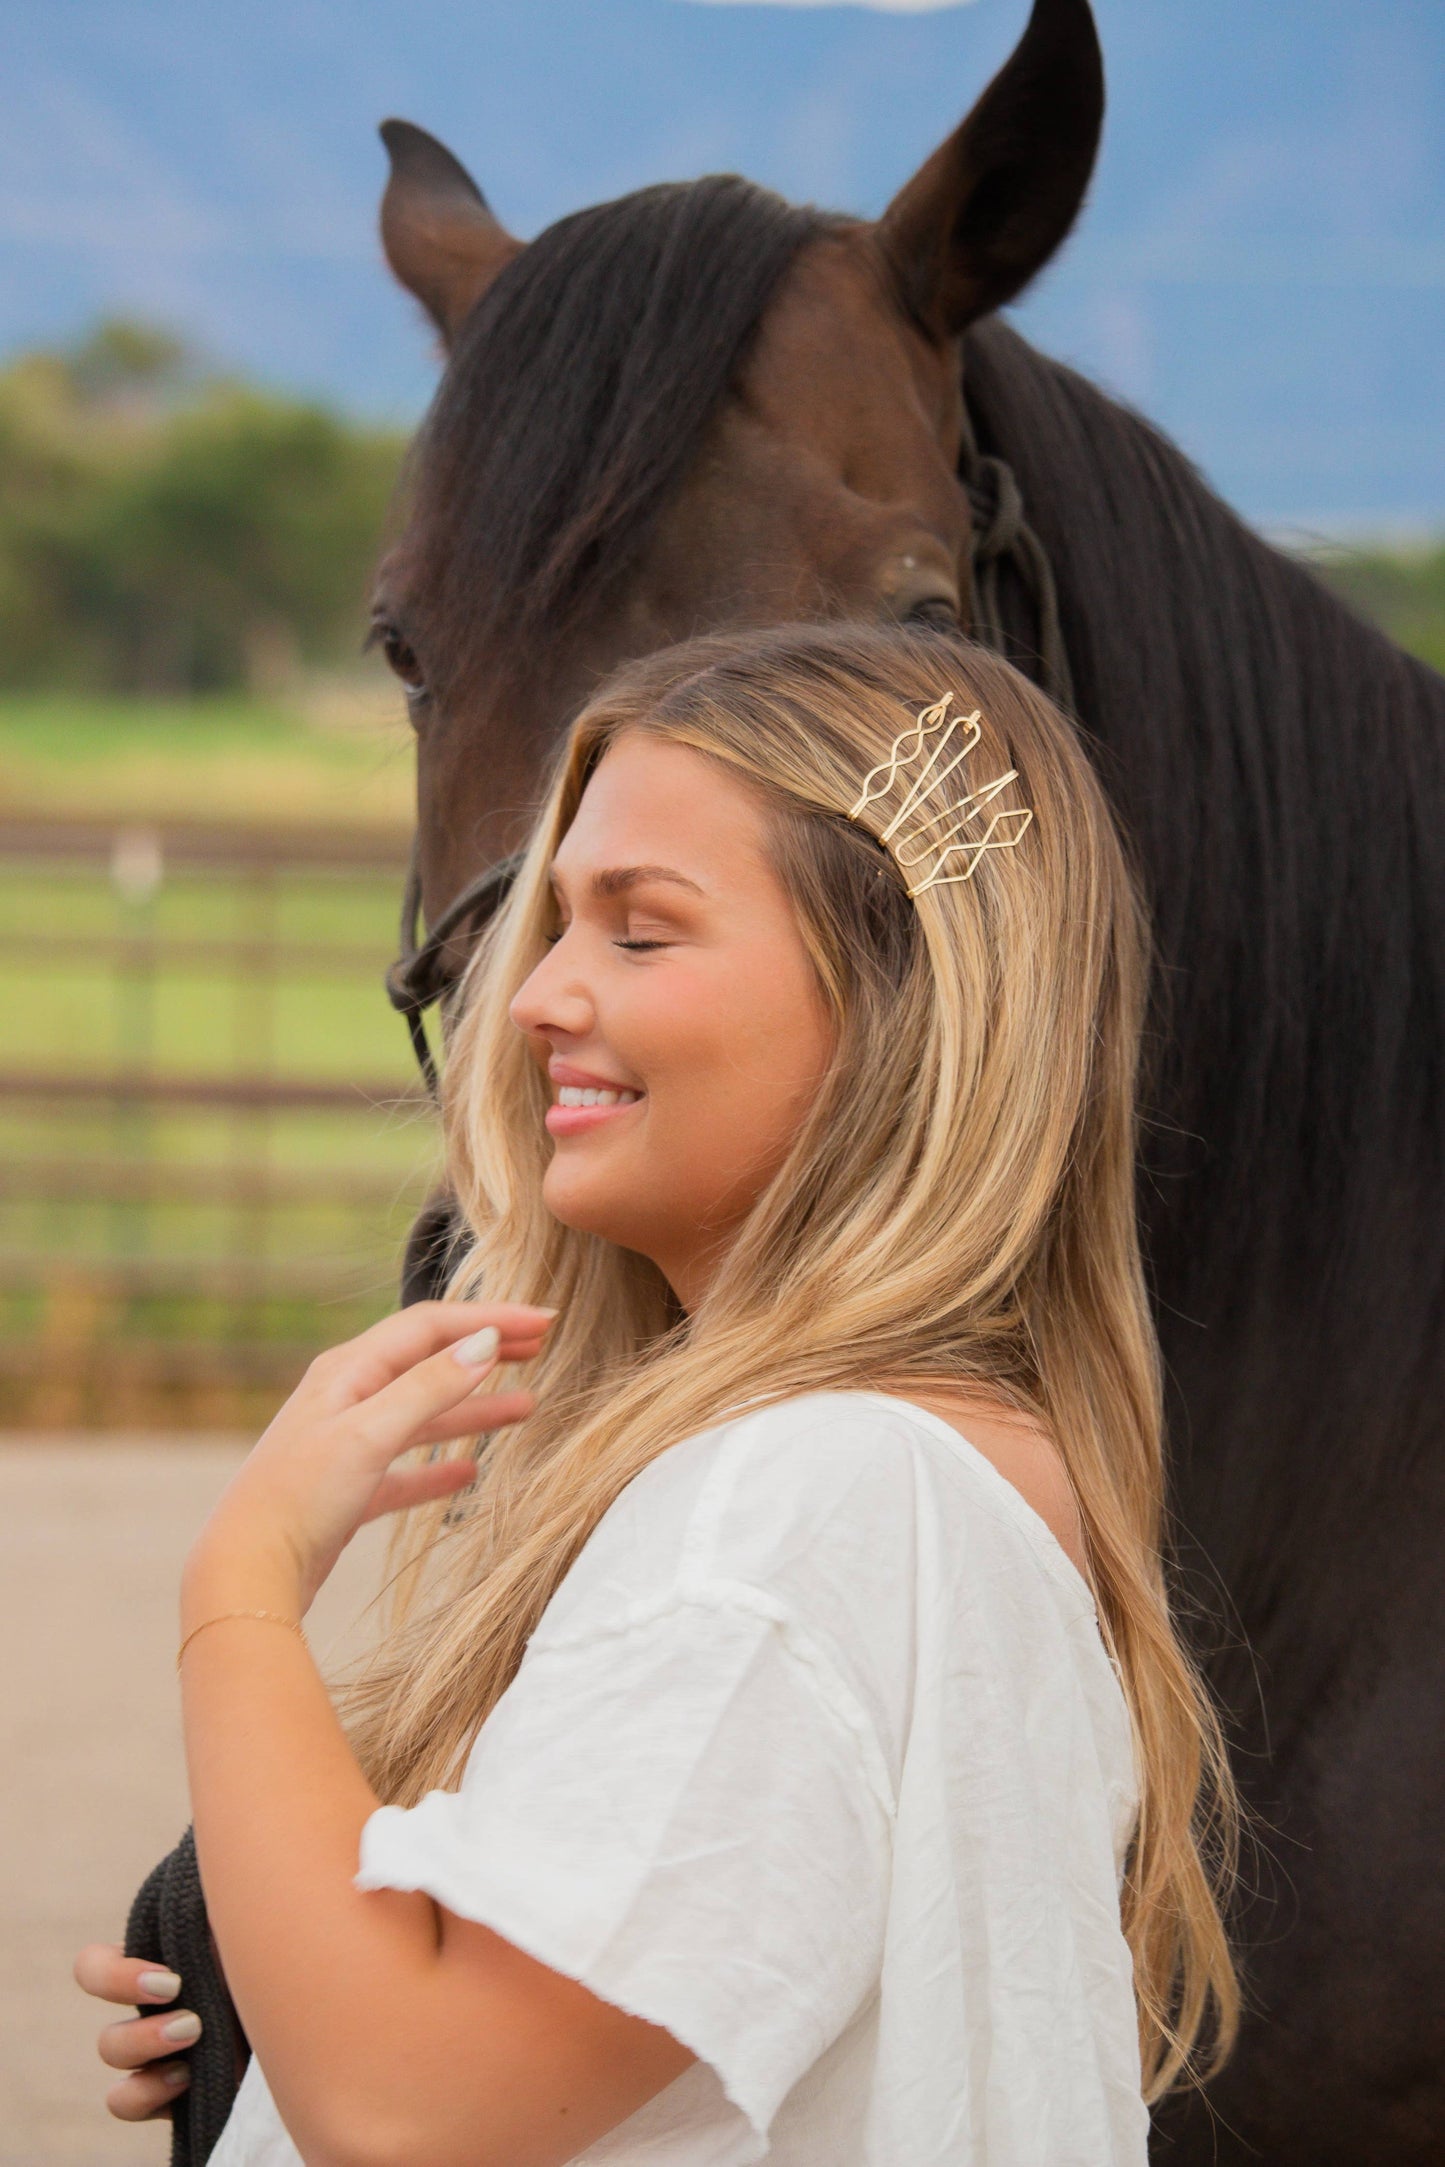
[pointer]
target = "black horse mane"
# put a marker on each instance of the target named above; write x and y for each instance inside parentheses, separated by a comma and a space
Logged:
(577, 396)
(1281, 768)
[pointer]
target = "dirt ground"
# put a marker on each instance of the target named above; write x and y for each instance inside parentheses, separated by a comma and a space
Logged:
(92, 1535)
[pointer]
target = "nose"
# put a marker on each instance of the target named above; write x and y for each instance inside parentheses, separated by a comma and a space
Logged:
(553, 1001)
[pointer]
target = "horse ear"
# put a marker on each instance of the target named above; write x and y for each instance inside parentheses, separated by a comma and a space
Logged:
(993, 203)
(440, 238)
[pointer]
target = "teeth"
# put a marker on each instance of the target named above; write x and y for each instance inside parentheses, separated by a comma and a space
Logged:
(578, 1095)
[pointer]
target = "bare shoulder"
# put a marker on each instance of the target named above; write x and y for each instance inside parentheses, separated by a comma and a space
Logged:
(1024, 1454)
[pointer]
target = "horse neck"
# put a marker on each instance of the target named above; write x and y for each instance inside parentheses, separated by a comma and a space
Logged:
(1279, 766)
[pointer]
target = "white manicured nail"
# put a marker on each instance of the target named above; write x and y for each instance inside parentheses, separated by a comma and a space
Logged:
(184, 2029)
(165, 1985)
(478, 1347)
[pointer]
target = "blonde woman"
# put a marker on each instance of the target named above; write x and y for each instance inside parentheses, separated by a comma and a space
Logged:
(781, 1748)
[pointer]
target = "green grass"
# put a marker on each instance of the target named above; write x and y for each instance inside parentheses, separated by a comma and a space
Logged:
(321, 904)
(198, 1015)
(339, 754)
(1403, 591)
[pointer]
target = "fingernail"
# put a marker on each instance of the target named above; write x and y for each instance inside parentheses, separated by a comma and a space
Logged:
(174, 2073)
(165, 1985)
(541, 1312)
(478, 1347)
(184, 2029)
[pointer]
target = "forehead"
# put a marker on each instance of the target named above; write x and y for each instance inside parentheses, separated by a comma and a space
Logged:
(835, 361)
(649, 802)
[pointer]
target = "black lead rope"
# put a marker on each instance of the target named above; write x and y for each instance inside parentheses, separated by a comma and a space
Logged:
(424, 972)
(168, 1925)
(1002, 536)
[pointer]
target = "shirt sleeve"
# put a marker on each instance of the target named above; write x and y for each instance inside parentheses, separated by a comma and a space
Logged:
(683, 1813)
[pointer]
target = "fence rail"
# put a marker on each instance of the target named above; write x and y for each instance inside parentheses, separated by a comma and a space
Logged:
(210, 846)
(237, 1093)
(211, 1138)
(200, 1277)
(117, 1181)
(132, 950)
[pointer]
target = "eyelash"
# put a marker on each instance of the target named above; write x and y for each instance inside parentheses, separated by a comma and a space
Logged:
(633, 947)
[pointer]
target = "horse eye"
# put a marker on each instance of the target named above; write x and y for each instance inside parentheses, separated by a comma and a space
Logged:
(401, 657)
(937, 611)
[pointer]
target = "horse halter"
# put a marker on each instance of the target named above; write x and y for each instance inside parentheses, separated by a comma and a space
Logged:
(424, 973)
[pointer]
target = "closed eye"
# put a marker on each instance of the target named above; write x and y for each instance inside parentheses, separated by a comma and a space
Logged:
(635, 947)
(937, 611)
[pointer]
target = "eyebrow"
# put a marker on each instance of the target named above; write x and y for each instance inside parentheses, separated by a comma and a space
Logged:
(616, 880)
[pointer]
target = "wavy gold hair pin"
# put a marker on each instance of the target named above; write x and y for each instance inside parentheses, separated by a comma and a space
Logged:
(942, 836)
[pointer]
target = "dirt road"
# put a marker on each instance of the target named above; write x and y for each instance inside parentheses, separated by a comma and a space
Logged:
(92, 1534)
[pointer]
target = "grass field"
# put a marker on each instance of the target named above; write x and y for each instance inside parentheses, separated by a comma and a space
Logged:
(340, 754)
(1402, 590)
(149, 1252)
(327, 1018)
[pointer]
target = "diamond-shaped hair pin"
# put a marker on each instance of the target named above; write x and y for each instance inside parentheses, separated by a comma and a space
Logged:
(944, 837)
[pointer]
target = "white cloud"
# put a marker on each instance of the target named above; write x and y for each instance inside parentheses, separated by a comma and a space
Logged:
(880, 7)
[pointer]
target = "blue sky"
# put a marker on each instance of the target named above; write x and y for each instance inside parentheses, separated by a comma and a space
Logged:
(1261, 266)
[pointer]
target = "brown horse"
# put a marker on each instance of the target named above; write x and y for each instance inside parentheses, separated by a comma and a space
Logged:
(699, 407)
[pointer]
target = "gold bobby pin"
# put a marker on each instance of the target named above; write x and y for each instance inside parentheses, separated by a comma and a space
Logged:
(937, 720)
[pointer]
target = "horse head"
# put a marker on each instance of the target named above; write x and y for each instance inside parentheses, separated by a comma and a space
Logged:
(693, 409)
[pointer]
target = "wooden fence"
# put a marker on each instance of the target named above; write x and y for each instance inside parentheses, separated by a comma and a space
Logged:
(210, 1139)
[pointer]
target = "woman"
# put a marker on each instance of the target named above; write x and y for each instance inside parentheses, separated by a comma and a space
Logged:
(781, 1748)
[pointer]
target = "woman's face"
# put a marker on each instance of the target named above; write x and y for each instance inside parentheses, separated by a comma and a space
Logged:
(679, 988)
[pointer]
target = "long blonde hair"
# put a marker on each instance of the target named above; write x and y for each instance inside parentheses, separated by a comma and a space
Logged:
(957, 1208)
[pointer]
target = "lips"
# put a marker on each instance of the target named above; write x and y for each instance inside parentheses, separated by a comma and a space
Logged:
(568, 1077)
(585, 1100)
(563, 1120)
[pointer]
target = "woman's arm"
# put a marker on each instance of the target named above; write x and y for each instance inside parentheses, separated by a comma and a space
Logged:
(389, 2030)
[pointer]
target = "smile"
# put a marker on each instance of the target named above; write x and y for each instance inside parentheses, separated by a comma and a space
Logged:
(577, 1095)
(579, 1108)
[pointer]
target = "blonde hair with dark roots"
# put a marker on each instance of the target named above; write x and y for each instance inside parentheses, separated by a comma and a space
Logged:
(957, 1209)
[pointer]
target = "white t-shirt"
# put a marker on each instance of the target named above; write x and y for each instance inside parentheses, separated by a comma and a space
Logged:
(818, 1760)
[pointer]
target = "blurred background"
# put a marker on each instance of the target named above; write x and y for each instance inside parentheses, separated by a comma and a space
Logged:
(208, 1145)
(211, 1140)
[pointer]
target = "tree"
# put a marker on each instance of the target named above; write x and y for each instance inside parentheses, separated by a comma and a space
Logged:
(165, 530)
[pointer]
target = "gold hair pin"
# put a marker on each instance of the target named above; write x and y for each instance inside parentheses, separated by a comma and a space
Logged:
(951, 822)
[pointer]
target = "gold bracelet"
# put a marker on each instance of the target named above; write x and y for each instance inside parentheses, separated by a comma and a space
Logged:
(271, 1617)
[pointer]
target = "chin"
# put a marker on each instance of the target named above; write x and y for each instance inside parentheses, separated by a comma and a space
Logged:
(587, 1205)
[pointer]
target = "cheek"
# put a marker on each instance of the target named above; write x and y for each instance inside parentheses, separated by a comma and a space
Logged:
(736, 1064)
(670, 1026)
(731, 1060)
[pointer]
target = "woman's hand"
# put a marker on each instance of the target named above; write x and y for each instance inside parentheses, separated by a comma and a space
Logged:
(140, 2044)
(325, 1465)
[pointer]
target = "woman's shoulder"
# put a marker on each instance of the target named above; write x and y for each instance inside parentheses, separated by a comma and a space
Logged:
(798, 1497)
(861, 1530)
(813, 1460)
(1019, 1448)
(989, 1472)
(809, 1477)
